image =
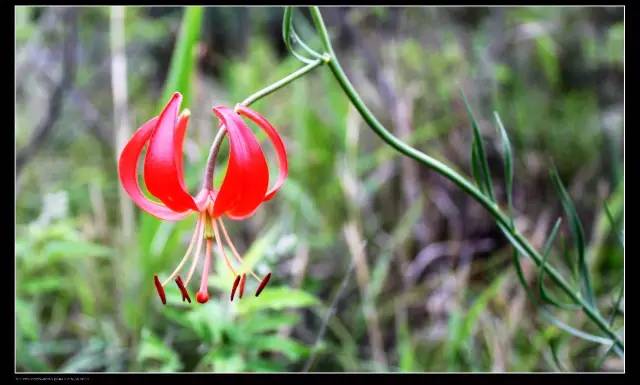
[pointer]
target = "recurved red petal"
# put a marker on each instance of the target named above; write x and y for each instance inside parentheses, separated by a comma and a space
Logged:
(181, 128)
(247, 178)
(128, 172)
(161, 173)
(276, 140)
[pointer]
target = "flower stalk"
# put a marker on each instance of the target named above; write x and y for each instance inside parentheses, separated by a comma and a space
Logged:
(284, 81)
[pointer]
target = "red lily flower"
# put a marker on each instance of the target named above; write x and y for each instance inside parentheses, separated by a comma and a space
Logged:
(244, 188)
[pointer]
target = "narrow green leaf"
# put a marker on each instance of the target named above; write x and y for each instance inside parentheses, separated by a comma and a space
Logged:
(508, 164)
(476, 169)
(578, 236)
(617, 350)
(548, 245)
(405, 348)
(569, 260)
(553, 346)
(573, 331)
(183, 58)
(470, 320)
(614, 226)
(480, 152)
(545, 256)
(615, 311)
(507, 233)
(546, 49)
(604, 356)
(521, 278)
(379, 275)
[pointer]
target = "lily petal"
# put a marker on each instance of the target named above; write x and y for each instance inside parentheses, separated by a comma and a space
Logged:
(276, 140)
(181, 128)
(161, 173)
(128, 172)
(247, 178)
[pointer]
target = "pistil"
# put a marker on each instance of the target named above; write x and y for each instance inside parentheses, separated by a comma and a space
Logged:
(203, 293)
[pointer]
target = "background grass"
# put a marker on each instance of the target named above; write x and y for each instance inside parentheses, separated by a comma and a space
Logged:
(413, 274)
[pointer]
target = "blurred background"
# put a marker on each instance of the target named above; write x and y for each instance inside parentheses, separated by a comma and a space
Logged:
(378, 264)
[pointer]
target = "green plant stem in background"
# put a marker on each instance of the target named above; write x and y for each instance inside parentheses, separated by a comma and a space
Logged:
(504, 222)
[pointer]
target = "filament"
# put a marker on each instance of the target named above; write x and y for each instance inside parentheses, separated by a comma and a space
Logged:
(233, 249)
(187, 253)
(220, 248)
(196, 255)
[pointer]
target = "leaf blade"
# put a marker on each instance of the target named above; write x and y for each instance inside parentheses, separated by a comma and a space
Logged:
(183, 58)
(577, 232)
(481, 156)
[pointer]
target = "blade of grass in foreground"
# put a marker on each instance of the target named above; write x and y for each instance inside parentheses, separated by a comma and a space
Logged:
(183, 58)
(578, 236)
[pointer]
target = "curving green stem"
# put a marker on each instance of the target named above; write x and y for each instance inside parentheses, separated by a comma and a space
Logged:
(504, 222)
(284, 81)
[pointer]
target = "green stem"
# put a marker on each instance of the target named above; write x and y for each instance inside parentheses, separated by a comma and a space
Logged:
(284, 81)
(446, 171)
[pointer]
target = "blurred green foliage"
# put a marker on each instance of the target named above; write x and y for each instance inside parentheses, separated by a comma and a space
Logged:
(85, 299)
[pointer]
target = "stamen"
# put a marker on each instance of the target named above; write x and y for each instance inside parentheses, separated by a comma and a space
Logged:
(220, 248)
(183, 290)
(242, 281)
(160, 290)
(188, 252)
(196, 255)
(203, 293)
(263, 284)
(235, 286)
(234, 251)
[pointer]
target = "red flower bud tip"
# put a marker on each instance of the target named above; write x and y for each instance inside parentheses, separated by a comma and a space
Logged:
(264, 282)
(183, 290)
(160, 289)
(244, 278)
(235, 286)
(202, 297)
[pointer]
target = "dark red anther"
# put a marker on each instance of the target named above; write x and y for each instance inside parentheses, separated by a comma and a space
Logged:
(264, 282)
(160, 289)
(244, 277)
(235, 286)
(183, 290)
